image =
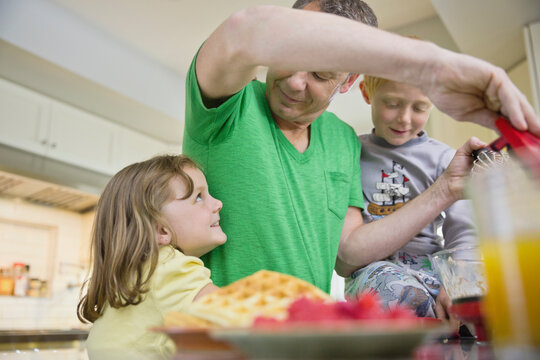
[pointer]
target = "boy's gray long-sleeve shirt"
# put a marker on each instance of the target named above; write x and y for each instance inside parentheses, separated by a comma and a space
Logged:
(393, 175)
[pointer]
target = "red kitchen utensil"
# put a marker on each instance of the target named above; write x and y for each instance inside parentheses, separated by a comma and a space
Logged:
(523, 144)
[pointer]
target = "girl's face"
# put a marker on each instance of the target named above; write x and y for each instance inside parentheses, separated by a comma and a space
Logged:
(194, 220)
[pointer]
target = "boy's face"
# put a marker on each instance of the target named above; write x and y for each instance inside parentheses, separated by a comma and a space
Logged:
(399, 112)
(194, 220)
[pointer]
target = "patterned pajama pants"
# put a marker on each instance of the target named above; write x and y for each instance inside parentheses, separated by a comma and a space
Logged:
(412, 286)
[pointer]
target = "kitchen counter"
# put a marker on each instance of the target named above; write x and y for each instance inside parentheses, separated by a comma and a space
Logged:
(42, 339)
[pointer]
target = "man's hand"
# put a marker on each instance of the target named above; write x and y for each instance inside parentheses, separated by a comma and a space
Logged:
(442, 306)
(470, 89)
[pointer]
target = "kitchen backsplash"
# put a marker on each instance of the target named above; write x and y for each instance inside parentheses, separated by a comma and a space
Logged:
(55, 312)
(55, 243)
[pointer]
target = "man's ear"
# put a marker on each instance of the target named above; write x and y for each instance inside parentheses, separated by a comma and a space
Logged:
(364, 92)
(348, 83)
(164, 236)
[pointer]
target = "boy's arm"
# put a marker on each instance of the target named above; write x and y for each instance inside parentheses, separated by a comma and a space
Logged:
(362, 244)
(466, 88)
(458, 227)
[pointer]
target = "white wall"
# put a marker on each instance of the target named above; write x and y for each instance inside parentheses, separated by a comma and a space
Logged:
(532, 39)
(351, 108)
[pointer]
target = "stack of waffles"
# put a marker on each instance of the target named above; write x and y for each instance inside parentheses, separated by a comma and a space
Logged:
(265, 293)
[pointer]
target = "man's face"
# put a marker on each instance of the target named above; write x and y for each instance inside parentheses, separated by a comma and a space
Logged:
(300, 97)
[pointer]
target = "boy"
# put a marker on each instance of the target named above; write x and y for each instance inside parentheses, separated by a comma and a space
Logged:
(399, 162)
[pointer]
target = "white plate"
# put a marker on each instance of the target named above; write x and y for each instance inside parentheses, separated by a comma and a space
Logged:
(369, 340)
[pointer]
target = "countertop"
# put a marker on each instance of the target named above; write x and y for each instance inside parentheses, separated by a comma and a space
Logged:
(50, 335)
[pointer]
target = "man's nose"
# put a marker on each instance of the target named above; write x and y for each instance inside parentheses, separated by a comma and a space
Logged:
(297, 81)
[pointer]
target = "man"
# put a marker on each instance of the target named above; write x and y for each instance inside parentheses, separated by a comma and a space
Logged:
(286, 170)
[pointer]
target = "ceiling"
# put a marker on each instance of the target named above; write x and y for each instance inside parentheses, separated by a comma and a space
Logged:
(170, 31)
(489, 29)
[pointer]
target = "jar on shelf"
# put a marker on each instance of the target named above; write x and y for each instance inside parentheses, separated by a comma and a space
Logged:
(20, 275)
(6, 281)
(34, 287)
(44, 290)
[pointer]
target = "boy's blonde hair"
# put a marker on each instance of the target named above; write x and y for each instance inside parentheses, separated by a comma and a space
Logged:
(124, 242)
(372, 83)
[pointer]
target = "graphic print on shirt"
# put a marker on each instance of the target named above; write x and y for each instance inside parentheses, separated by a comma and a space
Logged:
(392, 192)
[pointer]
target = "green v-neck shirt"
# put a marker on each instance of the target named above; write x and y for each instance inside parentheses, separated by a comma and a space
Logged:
(282, 210)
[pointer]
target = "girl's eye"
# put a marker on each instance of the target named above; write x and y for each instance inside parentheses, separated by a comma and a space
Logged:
(198, 198)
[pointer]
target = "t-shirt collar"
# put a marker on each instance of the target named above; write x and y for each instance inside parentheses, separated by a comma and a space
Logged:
(422, 137)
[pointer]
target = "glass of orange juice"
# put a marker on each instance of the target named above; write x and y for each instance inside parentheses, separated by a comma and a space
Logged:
(507, 209)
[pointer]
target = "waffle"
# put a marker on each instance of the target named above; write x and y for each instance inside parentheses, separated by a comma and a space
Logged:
(180, 319)
(265, 293)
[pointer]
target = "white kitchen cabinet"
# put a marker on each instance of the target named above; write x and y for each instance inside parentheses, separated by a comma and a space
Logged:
(132, 146)
(44, 126)
(24, 117)
(81, 139)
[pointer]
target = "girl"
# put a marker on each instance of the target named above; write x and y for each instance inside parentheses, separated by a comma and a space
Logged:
(153, 220)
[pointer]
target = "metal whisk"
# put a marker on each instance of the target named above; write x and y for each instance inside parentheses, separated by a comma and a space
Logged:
(524, 145)
(485, 159)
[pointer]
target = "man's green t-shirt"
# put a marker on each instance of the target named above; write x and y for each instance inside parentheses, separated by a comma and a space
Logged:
(282, 210)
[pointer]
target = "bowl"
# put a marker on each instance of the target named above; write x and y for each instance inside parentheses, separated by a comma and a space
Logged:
(461, 271)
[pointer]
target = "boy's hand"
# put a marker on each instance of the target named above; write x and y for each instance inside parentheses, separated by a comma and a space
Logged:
(442, 307)
(454, 178)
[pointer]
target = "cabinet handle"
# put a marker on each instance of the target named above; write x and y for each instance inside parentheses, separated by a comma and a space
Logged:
(53, 145)
(43, 142)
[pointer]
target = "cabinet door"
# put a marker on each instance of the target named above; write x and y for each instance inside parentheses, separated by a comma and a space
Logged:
(134, 147)
(81, 139)
(23, 118)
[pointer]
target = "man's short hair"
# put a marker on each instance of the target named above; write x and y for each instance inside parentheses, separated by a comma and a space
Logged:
(352, 9)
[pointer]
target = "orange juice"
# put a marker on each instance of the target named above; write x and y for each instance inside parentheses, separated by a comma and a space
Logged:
(513, 300)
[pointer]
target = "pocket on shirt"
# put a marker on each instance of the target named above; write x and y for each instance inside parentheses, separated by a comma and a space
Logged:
(337, 192)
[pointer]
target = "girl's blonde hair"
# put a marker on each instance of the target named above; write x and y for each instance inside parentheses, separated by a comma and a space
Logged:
(124, 241)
